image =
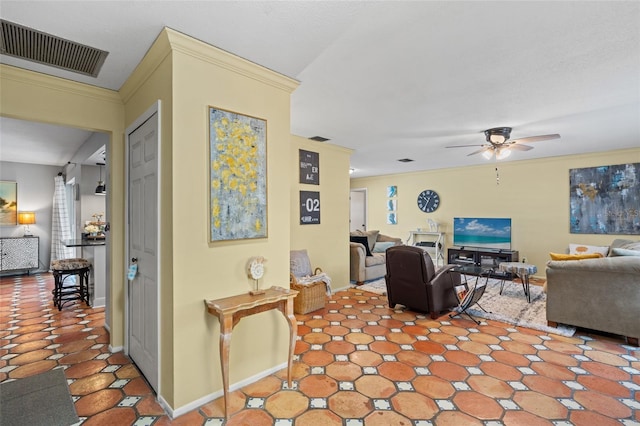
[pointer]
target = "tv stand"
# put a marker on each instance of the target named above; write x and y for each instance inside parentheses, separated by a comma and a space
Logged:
(484, 257)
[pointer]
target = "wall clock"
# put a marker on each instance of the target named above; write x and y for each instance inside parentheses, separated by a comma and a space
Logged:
(428, 201)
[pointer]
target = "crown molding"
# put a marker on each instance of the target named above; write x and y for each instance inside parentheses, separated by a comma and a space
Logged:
(32, 78)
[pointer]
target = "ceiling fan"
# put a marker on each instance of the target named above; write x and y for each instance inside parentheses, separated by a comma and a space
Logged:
(498, 143)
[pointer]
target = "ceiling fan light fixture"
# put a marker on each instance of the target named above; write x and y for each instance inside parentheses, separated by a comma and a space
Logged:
(488, 154)
(503, 153)
(498, 135)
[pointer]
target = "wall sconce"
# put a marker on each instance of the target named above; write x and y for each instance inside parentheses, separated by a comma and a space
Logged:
(26, 219)
(101, 189)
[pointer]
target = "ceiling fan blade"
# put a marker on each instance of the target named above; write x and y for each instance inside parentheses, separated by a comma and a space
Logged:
(479, 151)
(464, 146)
(536, 138)
(520, 147)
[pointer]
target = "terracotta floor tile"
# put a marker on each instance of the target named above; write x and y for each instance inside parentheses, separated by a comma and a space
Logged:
(429, 347)
(32, 369)
(344, 371)
(148, 406)
(316, 338)
(477, 405)
(263, 388)
(602, 404)
(85, 369)
(396, 371)
(606, 371)
(462, 358)
(114, 416)
(607, 358)
(490, 386)
(501, 371)
(547, 386)
(318, 386)
(521, 418)
(442, 338)
(137, 386)
(98, 401)
(91, 384)
(456, 418)
(592, 418)
(318, 417)
(339, 347)
(287, 404)
(350, 405)
(553, 371)
(317, 358)
(414, 405)
(29, 357)
(484, 338)
(540, 405)
(375, 386)
(365, 358)
(354, 373)
(604, 386)
(448, 371)
(29, 337)
(359, 338)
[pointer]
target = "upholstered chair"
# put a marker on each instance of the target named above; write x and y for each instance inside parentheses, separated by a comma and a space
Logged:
(413, 281)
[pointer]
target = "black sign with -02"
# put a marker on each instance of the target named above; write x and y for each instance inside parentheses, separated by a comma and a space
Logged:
(309, 208)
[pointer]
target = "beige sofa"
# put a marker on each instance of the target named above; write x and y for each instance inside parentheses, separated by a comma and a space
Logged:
(598, 294)
(365, 268)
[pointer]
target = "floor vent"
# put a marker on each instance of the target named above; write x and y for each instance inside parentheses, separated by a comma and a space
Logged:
(26, 43)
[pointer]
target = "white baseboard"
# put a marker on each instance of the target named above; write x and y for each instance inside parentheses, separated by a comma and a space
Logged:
(215, 395)
(99, 302)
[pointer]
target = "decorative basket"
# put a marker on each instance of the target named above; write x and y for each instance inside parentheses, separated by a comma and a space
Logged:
(312, 296)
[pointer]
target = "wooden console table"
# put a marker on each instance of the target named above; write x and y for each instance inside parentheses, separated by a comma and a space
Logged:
(230, 310)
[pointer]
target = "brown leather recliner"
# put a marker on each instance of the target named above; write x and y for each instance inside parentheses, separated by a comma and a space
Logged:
(412, 281)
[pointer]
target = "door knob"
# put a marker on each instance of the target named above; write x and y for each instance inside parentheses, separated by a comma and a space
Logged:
(134, 260)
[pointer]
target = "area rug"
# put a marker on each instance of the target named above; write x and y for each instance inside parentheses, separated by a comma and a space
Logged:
(43, 399)
(511, 306)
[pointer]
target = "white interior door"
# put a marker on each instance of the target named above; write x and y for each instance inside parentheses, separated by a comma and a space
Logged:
(143, 294)
(358, 210)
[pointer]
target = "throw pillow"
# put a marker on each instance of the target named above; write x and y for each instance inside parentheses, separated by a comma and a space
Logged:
(299, 263)
(382, 246)
(631, 246)
(362, 240)
(585, 249)
(372, 236)
(624, 252)
(562, 256)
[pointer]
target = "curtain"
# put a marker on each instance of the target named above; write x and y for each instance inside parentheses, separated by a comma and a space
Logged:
(60, 222)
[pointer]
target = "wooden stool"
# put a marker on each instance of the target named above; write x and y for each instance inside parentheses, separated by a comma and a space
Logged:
(63, 270)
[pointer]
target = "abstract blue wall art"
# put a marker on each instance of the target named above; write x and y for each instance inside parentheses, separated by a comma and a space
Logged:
(605, 199)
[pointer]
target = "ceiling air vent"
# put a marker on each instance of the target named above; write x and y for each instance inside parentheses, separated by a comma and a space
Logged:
(26, 43)
(318, 139)
(405, 160)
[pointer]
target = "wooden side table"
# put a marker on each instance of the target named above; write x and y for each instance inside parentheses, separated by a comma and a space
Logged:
(230, 310)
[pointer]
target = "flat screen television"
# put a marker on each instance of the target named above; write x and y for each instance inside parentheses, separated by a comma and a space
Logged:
(482, 232)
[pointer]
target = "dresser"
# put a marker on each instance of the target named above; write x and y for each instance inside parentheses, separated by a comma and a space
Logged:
(19, 253)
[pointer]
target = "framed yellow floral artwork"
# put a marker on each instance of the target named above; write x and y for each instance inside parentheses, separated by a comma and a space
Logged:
(237, 176)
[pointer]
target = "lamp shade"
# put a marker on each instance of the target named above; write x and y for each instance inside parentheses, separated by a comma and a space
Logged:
(26, 218)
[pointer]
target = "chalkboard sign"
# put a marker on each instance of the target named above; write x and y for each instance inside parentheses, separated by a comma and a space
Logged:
(309, 167)
(309, 208)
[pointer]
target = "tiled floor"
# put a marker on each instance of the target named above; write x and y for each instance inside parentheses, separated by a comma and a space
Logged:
(358, 363)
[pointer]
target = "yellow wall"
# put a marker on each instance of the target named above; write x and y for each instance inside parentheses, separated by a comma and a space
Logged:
(328, 242)
(189, 76)
(533, 193)
(37, 97)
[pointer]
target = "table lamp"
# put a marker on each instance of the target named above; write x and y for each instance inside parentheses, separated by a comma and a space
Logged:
(26, 219)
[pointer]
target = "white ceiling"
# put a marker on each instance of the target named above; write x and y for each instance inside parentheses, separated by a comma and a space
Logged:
(392, 79)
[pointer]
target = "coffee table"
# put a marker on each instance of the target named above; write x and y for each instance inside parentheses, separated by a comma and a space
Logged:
(476, 292)
(520, 270)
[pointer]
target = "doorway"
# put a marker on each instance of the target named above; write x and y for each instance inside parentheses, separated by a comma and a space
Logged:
(143, 290)
(358, 209)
